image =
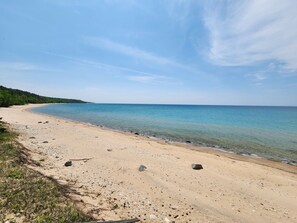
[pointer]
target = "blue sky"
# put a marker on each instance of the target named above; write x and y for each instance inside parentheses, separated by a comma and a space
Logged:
(149, 51)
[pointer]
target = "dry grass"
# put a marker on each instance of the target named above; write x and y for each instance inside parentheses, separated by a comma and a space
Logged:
(26, 195)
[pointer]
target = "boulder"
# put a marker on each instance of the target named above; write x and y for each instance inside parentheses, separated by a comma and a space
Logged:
(188, 141)
(197, 166)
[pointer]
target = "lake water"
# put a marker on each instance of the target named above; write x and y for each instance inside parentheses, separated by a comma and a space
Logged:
(269, 132)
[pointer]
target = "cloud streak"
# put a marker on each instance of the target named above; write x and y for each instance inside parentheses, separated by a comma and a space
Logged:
(133, 75)
(26, 67)
(149, 79)
(252, 31)
(119, 48)
(18, 66)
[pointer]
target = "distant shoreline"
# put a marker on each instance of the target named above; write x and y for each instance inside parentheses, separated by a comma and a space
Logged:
(229, 105)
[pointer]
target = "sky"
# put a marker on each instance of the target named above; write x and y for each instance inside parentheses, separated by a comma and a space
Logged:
(223, 52)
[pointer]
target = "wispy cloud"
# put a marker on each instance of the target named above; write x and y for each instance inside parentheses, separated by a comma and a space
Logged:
(25, 67)
(133, 75)
(144, 78)
(251, 31)
(127, 50)
(18, 66)
(292, 85)
(149, 79)
(263, 74)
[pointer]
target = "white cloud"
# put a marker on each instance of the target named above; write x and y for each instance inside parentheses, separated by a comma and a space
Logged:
(133, 75)
(134, 52)
(18, 66)
(97, 64)
(252, 31)
(260, 76)
(263, 74)
(24, 67)
(143, 78)
(148, 78)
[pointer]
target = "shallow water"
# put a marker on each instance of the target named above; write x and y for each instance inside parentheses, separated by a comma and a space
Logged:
(269, 132)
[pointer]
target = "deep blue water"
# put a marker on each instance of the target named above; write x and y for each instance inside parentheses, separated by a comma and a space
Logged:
(269, 132)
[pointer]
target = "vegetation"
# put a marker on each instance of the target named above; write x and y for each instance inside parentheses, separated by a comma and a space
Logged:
(9, 97)
(26, 195)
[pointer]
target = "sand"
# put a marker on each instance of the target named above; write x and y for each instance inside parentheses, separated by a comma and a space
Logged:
(230, 188)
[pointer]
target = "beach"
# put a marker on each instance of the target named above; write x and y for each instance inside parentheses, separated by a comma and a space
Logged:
(107, 183)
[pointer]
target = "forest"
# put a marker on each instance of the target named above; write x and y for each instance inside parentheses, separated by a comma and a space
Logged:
(9, 97)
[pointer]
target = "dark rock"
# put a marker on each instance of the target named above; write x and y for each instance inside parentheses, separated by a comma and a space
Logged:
(142, 168)
(32, 137)
(68, 163)
(188, 141)
(1, 118)
(290, 162)
(39, 122)
(136, 133)
(45, 122)
(109, 150)
(45, 142)
(197, 166)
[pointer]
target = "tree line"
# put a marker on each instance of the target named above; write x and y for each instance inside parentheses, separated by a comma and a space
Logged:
(9, 97)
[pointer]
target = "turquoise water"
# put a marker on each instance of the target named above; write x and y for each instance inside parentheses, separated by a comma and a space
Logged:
(269, 132)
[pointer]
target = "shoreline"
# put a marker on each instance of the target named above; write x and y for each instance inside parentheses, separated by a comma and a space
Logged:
(273, 163)
(229, 188)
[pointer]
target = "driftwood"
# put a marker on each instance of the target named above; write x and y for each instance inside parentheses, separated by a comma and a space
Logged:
(82, 159)
(121, 221)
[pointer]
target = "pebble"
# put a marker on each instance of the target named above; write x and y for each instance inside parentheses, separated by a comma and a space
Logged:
(68, 163)
(197, 166)
(153, 217)
(142, 168)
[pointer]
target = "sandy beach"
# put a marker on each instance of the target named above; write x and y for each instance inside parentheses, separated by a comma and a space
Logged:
(107, 183)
